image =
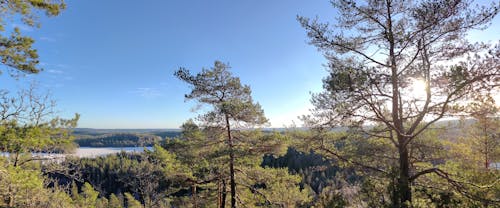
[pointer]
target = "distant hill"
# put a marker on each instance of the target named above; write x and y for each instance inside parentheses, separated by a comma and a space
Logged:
(88, 137)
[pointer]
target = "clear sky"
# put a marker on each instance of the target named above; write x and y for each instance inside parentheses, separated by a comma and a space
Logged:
(112, 61)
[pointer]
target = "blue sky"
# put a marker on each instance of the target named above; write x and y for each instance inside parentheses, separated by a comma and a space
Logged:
(112, 61)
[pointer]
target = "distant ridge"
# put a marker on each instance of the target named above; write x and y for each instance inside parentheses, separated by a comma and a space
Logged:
(96, 131)
(111, 131)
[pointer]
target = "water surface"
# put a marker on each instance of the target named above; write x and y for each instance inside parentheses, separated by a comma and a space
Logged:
(102, 151)
(87, 152)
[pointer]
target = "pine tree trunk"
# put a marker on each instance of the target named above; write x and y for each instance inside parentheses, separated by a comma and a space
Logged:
(233, 183)
(11, 198)
(486, 162)
(193, 189)
(16, 159)
(404, 176)
(403, 186)
(231, 163)
(224, 194)
(219, 193)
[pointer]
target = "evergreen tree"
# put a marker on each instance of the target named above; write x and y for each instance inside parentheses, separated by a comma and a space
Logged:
(378, 52)
(88, 196)
(115, 202)
(102, 203)
(227, 147)
(24, 187)
(16, 50)
(484, 136)
(232, 105)
(132, 202)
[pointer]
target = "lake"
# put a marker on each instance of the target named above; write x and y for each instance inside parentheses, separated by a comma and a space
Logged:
(88, 152)
(102, 151)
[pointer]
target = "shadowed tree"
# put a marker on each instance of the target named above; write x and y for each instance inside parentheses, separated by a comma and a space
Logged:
(378, 52)
(232, 104)
(485, 134)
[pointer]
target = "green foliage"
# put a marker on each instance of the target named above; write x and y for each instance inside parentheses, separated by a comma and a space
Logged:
(167, 162)
(24, 187)
(151, 176)
(388, 155)
(377, 52)
(102, 203)
(132, 202)
(16, 138)
(28, 124)
(232, 107)
(330, 197)
(118, 140)
(115, 202)
(88, 196)
(271, 187)
(256, 186)
(224, 92)
(316, 171)
(16, 50)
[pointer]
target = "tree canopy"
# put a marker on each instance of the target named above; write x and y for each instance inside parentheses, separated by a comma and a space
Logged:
(378, 52)
(16, 49)
(228, 141)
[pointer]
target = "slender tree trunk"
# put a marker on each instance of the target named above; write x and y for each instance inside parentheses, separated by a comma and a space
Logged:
(11, 198)
(219, 196)
(231, 163)
(16, 159)
(486, 162)
(404, 176)
(193, 189)
(224, 194)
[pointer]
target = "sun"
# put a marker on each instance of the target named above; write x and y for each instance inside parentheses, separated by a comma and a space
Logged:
(418, 89)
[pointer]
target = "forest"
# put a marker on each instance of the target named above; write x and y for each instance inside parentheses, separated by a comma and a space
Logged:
(118, 140)
(370, 139)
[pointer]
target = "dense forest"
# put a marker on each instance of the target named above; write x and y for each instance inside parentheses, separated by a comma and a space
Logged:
(370, 140)
(118, 140)
(88, 132)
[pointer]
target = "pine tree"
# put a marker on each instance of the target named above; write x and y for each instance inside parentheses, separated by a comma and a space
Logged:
(379, 52)
(227, 141)
(16, 50)
(232, 106)
(132, 202)
(88, 196)
(115, 202)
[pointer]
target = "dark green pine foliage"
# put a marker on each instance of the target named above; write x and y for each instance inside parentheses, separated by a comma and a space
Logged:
(317, 172)
(225, 151)
(378, 52)
(16, 49)
(118, 140)
(231, 102)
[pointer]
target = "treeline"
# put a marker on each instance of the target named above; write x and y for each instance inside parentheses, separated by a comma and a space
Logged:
(118, 140)
(83, 132)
